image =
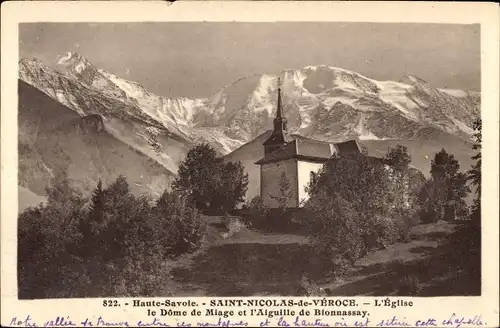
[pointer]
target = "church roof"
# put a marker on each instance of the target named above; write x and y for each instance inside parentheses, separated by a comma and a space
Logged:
(301, 148)
(277, 138)
(312, 150)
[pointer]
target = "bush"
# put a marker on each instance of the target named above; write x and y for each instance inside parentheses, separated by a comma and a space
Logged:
(255, 212)
(234, 225)
(408, 285)
(310, 288)
(181, 222)
(336, 227)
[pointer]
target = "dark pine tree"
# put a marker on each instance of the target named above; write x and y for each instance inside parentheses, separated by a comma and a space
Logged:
(97, 204)
(451, 185)
(474, 174)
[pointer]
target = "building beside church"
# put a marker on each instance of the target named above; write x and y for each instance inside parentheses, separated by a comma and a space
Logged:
(294, 157)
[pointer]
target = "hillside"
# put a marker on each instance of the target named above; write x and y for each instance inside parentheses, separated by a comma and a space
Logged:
(266, 265)
(53, 137)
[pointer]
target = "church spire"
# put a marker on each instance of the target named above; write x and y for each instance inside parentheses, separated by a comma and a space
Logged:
(279, 120)
(278, 137)
(278, 111)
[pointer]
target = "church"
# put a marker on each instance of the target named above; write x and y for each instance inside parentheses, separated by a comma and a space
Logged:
(295, 157)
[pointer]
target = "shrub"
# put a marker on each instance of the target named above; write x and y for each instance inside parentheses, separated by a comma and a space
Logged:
(255, 212)
(337, 226)
(408, 285)
(310, 288)
(178, 220)
(234, 226)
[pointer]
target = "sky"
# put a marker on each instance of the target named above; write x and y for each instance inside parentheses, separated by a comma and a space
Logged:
(195, 59)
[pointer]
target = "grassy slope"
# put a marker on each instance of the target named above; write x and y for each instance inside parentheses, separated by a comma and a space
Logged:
(253, 263)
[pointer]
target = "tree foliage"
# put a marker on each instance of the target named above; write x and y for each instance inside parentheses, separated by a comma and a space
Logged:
(442, 198)
(180, 221)
(474, 173)
(209, 182)
(356, 204)
(284, 192)
(398, 158)
(110, 244)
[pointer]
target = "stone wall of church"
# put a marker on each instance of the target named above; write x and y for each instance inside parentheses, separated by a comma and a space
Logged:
(304, 176)
(269, 179)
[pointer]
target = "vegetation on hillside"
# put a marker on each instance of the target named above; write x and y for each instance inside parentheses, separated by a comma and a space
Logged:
(113, 244)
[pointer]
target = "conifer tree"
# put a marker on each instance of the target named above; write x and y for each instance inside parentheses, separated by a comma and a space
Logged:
(447, 187)
(474, 174)
(97, 203)
(284, 191)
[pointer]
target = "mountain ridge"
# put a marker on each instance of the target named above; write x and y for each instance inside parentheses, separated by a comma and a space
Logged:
(180, 114)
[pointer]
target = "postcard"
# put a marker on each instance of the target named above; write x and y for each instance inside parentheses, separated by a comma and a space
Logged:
(233, 164)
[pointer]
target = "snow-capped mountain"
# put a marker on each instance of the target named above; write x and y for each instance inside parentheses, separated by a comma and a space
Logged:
(334, 104)
(320, 102)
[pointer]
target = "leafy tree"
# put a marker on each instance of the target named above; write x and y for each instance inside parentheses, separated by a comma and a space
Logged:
(234, 182)
(199, 177)
(179, 220)
(347, 207)
(358, 203)
(48, 243)
(397, 161)
(442, 197)
(358, 179)
(398, 158)
(405, 184)
(209, 182)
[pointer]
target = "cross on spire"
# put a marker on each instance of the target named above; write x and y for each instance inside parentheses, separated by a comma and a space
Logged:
(278, 110)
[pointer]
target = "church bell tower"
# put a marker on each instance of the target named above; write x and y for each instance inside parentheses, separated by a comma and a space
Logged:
(278, 137)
